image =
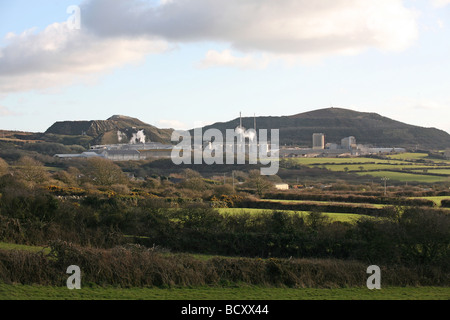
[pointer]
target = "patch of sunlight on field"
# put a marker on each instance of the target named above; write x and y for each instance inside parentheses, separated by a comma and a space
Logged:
(392, 162)
(342, 217)
(404, 177)
(22, 292)
(415, 156)
(373, 205)
(436, 200)
(320, 161)
(12, 246)
(439, 171)
(408, 156)
(360, 167)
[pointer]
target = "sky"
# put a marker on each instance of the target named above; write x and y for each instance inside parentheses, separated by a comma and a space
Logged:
(185, 63)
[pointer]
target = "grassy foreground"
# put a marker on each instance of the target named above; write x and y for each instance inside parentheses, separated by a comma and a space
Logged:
(21, 292)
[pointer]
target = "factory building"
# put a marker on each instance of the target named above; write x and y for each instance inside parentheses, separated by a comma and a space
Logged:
(347, 148)
(318, 141)
(124, 152)
(348, 143)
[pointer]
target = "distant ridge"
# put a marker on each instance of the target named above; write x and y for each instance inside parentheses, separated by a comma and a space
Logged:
(337, 123)
(108, 131)
(295, 130)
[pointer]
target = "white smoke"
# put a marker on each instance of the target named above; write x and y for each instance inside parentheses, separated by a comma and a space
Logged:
(244, 134)
(138, 137)
(121, 136)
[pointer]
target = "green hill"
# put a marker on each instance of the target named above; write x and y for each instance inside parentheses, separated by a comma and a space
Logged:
(337, 123)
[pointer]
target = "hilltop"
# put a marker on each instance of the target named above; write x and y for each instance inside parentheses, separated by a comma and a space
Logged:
(295, 130)
(116, 129)
(337, 123)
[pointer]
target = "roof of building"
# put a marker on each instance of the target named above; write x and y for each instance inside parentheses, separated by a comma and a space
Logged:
(121, 152)
(86, 154)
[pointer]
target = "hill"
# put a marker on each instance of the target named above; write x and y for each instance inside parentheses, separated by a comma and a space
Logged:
(117, 129)
(337, 123)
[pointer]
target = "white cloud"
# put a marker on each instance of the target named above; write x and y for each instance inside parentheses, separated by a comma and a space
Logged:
(227, 59)
(440, 3)
(115, 33)
(276, 26)
(59, 55)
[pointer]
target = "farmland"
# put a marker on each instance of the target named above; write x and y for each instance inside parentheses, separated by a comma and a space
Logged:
(21, 292)
(332, 216)
(213, 237)
(407, 167)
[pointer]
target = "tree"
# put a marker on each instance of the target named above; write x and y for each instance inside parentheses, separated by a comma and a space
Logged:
(104, 172)
(31, 170)
(317, 220)
(259, 182)
(69, 177)
(424, 236)
(193, 180)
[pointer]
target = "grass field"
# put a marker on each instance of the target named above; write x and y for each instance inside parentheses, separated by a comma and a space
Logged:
(21, 292)
(343, 217)
(381, 166)
(373, 205)
(405, 177)
(356, 160)
(369, 166)
(439, 171)
(414, 157)
(93, 292)
(408, 156)
(11, 246)
(436, 200)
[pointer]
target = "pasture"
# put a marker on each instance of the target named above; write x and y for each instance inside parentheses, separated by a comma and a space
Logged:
(405, 177)
(23, 292)
(395, 167)
(342, 217)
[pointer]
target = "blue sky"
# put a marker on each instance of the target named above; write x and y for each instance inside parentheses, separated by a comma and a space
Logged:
(181, 63)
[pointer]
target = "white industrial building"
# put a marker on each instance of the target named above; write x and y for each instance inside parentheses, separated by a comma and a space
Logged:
(124, 152)
(318, 141)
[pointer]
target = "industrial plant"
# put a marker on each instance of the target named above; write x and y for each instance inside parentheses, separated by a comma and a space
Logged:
(124, 152)
(347, 147)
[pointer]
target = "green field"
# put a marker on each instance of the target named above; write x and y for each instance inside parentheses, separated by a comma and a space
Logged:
(369, 166)
(343, 217)
(408, 156)
(21, 292)
(373, 205)
(10, 246)
(380, 166)
(411, 156)
(405, 177)
(439, 171)
(436, 200)
(356, 160)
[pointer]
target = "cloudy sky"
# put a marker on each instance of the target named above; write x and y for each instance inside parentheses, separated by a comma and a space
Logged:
(181, 63)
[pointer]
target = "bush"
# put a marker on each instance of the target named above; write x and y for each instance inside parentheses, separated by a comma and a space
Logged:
(445, 203)
(138, 266)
